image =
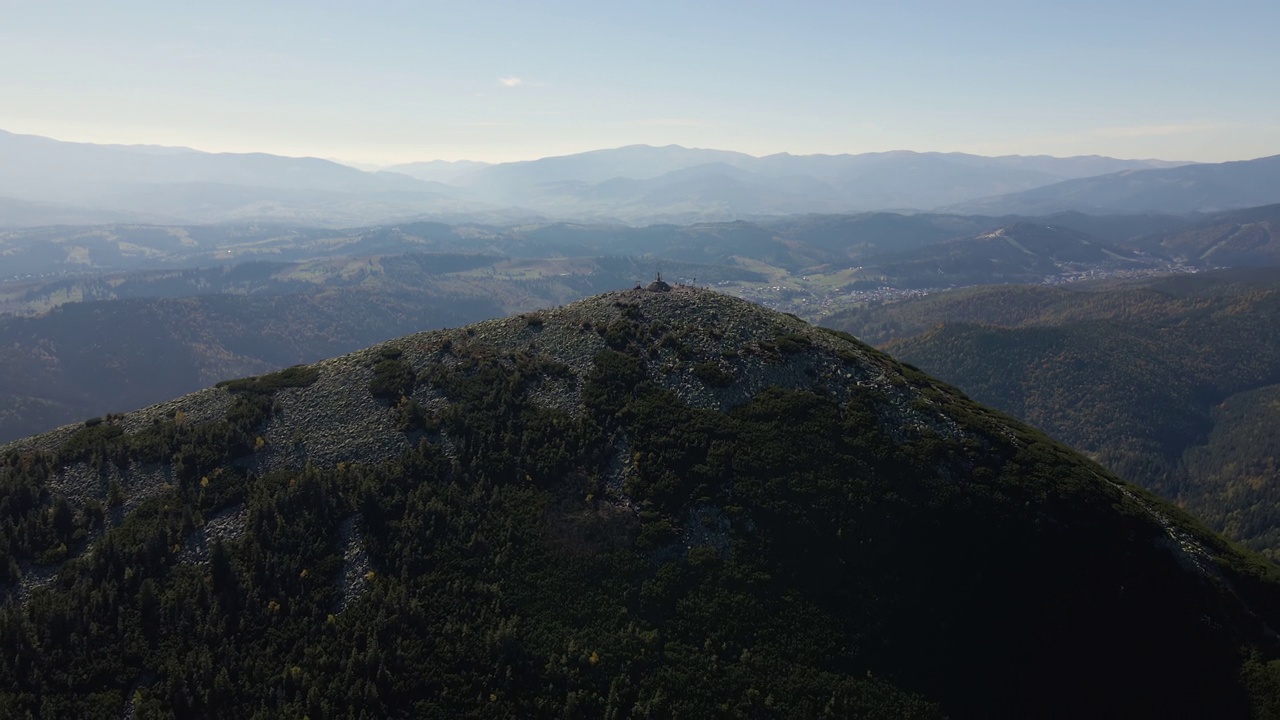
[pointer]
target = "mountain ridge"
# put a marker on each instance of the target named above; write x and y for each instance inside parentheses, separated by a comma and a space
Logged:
(581, 186)
(1250, 236)
(1207, 187)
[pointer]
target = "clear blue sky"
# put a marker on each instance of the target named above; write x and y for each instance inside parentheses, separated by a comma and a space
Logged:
(388, 82)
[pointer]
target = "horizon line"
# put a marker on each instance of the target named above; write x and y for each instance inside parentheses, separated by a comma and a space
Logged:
(337, 159)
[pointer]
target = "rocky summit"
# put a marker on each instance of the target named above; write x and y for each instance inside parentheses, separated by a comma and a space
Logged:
(643, 504)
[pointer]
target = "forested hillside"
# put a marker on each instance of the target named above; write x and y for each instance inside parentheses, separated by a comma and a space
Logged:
(1021, 252)
(1244, 238)
(1158, 380)
(643, 504)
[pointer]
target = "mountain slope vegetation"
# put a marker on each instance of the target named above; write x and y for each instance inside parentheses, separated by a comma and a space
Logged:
(1245, 238)
(1022, 252)
(1141, 376)
(645, 503)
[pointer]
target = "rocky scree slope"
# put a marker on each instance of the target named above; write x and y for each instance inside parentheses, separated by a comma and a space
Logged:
(643, 503)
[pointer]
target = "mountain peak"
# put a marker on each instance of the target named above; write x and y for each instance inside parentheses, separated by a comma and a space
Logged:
(681, 495)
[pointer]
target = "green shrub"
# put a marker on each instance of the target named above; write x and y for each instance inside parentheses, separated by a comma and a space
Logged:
(712, 374)
(392, 380)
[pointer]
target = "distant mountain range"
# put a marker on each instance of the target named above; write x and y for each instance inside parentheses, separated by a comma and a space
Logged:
(45, 181)
(155, 184)
(1190, 188)
(640, 181)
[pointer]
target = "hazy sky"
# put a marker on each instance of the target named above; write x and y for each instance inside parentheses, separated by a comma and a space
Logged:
(388, 82)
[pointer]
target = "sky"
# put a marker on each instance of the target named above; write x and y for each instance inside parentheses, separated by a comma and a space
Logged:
(390, 82)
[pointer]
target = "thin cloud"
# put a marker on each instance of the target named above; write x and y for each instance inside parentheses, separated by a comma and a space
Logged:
(510, 81)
